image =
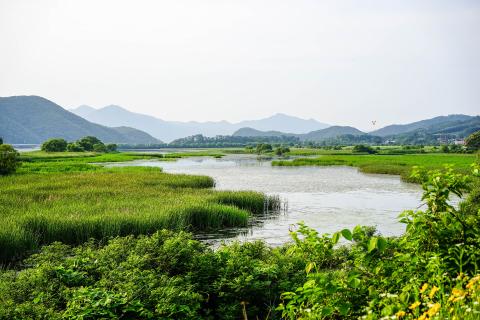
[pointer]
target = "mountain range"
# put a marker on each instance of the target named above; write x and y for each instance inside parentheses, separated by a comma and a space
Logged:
(33, 119)
(170, 130)
(456, 126)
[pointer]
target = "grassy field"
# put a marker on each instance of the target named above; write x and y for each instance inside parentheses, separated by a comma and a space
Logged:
(66, 198)
(387, 164)
(48, 162)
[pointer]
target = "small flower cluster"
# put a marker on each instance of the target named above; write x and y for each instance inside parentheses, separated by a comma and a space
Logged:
(464, 296)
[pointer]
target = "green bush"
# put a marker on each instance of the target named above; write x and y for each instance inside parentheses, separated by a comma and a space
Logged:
(263, 148)
(88, 142)
(9, 159)
(74, 147)
(54, 145)
(99, 147)
(473, 141)
(360, 148)
(111, 147)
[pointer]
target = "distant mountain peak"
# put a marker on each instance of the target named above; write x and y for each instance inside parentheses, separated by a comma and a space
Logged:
(33, 119)
(114, 107)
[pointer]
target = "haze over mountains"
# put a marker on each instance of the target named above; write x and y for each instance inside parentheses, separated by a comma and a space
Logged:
(170, 130)
(456, 126)
(33, 119)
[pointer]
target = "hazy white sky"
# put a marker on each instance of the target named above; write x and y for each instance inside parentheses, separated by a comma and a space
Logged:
(340, 62)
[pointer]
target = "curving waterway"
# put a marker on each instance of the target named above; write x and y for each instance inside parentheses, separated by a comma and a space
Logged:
(325, 198)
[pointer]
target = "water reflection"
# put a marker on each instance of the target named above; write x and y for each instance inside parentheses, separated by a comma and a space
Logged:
(325, 198)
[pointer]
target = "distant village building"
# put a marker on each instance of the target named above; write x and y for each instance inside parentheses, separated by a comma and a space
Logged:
(459, 142)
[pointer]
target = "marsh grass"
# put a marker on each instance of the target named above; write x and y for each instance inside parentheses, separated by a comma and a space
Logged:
(73, 201)
(388, 164)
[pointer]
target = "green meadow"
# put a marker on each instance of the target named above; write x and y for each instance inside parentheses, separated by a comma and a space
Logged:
(388, 164)
(67, 198)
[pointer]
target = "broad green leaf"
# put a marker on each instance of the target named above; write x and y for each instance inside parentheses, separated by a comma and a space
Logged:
(381, 244)
(372, 244)
(335, 237)
(347, 234)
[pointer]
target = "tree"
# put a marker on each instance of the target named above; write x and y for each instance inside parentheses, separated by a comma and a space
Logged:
(9, 159)
(111, 147)
(74, 147)
(473, 141)
(360, 148)
(88, 142)
(263, 148)
(281, 150)
(444, 148)
(99, 147)
(54, 145)
(1, 140)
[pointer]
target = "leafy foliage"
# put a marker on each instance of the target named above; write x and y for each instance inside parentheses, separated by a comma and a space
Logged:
(430, 272)
(9, 159)
(360, 148)
(54, 145)
(473, 141)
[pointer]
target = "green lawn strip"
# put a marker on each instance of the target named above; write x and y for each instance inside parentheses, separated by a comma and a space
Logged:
(387, 164)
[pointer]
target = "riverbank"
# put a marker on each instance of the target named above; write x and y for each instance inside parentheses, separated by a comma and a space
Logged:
(388, 164)
(64, 197)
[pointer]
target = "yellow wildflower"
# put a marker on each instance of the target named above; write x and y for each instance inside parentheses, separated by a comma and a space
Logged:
(423, 316)
(400, 314)
(434, 309)
(472, 282)
(433, 291)
(424, 287)
(458, 292)
(414, 305)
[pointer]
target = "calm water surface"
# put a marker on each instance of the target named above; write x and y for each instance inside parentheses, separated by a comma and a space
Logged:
(325, 198)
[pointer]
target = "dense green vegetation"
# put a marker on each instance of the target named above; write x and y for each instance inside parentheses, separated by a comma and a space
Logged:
(388, 164)
(431, 272)
(88, 143)
(9, 159)
(74, 200)
(200, 141)
(473, 141)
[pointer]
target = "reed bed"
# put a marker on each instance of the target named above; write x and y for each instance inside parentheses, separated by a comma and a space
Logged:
(388, 164)
(72, 207)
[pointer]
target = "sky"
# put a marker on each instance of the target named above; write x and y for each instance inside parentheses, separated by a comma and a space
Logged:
(344, 62)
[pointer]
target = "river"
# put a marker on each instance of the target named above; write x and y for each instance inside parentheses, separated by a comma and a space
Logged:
(325, 198)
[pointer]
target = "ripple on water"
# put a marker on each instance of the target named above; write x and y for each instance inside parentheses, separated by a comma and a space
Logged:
(325, 198)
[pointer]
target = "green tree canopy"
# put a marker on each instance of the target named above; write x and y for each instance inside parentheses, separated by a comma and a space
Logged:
(360, 148)
(9, 159)
(473, 141)
(74, 147)
(88, 142)
(54, 145)
(111, 147)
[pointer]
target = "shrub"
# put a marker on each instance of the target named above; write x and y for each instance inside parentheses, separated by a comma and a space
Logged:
(54, 145)
(360, 148)
(263, 148)
(280, 151)
(111, 147)
(74, 147)
(9, 159)
(473, 141)
(88, 142)
(99, 147)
